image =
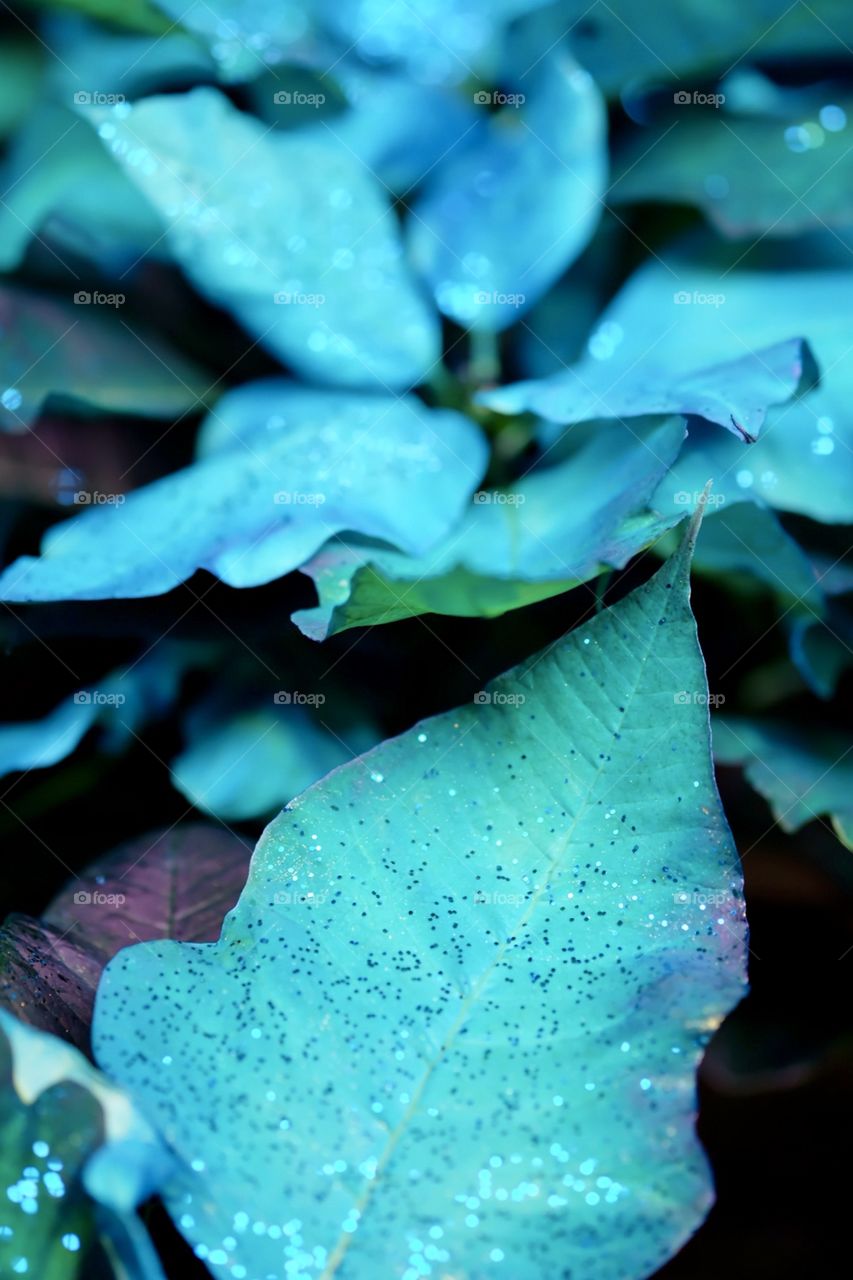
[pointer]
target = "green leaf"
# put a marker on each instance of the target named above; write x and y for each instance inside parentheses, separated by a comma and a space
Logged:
(456, 1014)
(294, 237)
(557, 527)
(801, 772)
(68, 1138)
(85, 355)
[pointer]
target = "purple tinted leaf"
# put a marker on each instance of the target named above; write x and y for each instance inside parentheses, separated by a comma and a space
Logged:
(172, 884)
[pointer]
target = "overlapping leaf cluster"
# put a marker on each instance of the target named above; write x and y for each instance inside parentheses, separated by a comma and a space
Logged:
(439, 308)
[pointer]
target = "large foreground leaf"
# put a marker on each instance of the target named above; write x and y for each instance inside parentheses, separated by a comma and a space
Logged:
(385, 467)
(296, 238)
(454, 1019)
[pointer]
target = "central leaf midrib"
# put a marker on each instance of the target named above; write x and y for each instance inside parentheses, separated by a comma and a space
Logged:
(346, 1239)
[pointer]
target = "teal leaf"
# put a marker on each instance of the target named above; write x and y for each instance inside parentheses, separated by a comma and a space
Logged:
(515, 202)
(388, 468)
(85, 355)
(399, 129)
(744, 541)
(37, 744)
(20, 76)
(750, 175)
(690, 38)
(731, 319)
(128, 1161)
(93, 61)
(295, 238)
(555, 528)
(247, 37)
(120, 704)
(803, 773)
(623, 374)
(439, 41)
(822, 648)
(62, 188)
(249, 764)
(493, 1060)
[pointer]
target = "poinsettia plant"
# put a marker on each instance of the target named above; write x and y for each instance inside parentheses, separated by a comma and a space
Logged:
(376, 383)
